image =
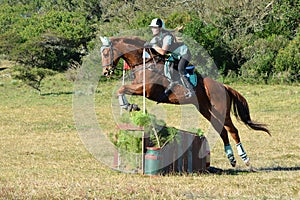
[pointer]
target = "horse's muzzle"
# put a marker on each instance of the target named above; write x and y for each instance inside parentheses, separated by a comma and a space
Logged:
(107, 72)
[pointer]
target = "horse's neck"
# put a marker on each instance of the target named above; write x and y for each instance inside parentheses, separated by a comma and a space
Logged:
(132, 55)
(133, 58)
(156, 70)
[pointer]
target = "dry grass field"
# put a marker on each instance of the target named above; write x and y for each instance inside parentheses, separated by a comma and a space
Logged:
(43, 157)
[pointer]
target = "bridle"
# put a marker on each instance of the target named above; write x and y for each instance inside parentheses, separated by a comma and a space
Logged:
(111, 54)
(107, 44)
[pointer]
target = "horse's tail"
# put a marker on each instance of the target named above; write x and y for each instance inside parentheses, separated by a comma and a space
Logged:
(241, 110)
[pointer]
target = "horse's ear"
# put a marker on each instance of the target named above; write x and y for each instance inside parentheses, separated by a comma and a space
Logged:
(105, 41)
(102, 39)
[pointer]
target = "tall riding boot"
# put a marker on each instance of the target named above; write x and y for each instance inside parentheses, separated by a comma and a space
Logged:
(188, 86)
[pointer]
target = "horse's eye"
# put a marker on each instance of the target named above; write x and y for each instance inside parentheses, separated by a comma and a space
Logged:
(105, 55)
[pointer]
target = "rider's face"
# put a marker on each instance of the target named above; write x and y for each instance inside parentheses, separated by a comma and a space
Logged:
(155, 30)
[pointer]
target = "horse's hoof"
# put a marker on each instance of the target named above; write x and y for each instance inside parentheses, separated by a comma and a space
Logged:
(233, 163)
(133, 107)
(247, 162)
(231, 159)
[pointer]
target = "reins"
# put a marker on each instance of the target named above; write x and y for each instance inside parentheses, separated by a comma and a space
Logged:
(134, 68)
(149, 66)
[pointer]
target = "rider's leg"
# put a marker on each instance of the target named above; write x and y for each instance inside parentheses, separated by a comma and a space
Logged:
(183, 63)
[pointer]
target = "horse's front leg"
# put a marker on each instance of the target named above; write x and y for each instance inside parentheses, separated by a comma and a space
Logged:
(136, 89)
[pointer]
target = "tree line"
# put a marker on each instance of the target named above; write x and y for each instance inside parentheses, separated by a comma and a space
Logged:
(249, 40)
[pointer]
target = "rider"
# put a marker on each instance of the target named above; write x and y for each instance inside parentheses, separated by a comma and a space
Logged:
(164, 42)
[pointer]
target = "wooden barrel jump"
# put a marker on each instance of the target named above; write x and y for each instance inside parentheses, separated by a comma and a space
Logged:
(188, 153)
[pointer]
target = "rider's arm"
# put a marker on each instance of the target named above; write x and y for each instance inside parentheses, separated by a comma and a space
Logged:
(161, 51)
(167, 41)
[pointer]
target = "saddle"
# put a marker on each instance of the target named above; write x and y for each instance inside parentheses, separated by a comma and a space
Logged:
(171, 71)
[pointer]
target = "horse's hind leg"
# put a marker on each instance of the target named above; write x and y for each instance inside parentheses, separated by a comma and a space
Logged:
(218, 126)
(235, 135)
(227, 148)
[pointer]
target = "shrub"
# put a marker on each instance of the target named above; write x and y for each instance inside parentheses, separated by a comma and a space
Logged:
(260, 58)
(32, 76)
(210, 38)
(283, 19)
(287, 62)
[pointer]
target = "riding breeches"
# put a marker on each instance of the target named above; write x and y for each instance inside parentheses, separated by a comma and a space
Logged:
(183, 63)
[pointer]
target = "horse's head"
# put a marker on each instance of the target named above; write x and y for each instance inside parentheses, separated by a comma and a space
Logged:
(110, 56)
(128, 48)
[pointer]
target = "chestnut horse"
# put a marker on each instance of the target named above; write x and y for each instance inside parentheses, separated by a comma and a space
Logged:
(212, 99)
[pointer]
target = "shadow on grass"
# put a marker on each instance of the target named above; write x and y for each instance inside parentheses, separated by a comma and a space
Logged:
(56, 93)
(218, 171)
(269, 169)
(214, 170)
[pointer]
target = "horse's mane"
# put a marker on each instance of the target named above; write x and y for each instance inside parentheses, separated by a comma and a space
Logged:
(130, 48)
(130, 40)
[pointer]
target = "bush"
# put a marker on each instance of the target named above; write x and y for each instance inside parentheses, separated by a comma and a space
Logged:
(52, 40)
(287, 62)
(32, 76)
(283, 19)
(260, 58)
(129, 141)
(210, 38)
